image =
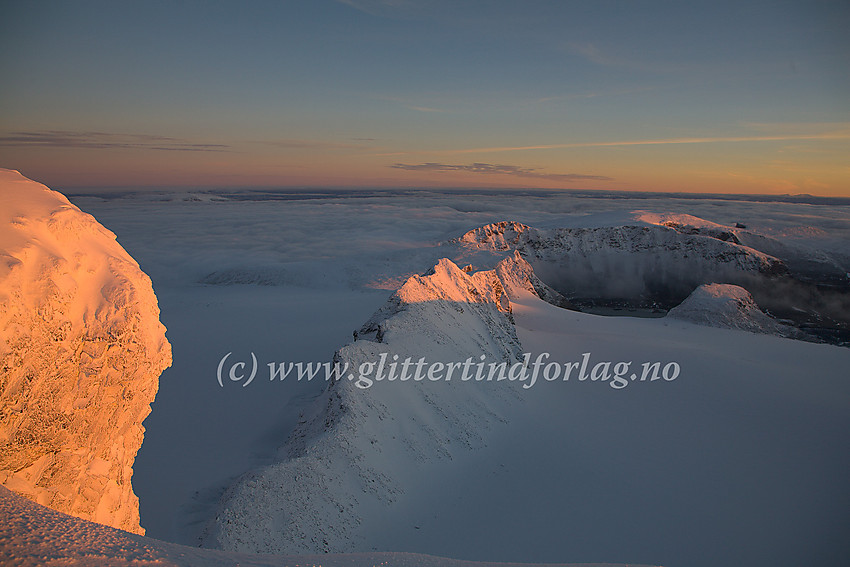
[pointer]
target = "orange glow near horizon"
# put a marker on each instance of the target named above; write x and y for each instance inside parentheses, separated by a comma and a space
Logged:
(683, 97)
(811, 166)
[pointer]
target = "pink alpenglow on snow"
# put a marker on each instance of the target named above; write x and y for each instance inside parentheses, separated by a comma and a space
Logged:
(81, 352)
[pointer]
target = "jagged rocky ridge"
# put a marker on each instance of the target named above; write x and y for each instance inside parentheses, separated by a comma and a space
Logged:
(354, 453)
(81, 351)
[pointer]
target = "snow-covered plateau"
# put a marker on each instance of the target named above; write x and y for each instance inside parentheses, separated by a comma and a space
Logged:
(702, 432)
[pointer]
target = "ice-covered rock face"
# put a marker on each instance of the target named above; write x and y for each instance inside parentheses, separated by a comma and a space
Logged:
(81, 351)
(632, 261)
(360, 447)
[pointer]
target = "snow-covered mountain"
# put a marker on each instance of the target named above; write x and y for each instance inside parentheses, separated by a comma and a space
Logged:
(356, 462)
(494, 469)
(729, 307)
(747, 446)
(802, 261)
(633, 260)
(81, 351)
(652, 260)
(359, 450)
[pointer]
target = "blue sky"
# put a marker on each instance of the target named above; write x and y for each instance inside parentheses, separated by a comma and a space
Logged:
(661, 95)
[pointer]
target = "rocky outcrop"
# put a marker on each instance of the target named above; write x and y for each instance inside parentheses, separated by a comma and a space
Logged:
(81, 351)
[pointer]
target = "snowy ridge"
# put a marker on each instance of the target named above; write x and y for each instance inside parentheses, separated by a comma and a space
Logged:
(356, 454)
(801, 260)
(636, 260)
(629, 239)
(729, 307)
(32, 535)
(81, 351)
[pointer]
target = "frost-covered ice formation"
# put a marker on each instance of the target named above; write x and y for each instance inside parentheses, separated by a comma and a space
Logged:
(81, 351)
(358, 450)
(730, 307)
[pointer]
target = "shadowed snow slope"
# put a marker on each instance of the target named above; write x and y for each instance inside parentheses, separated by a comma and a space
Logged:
(81, 351)
(32, 535)
(359, 452)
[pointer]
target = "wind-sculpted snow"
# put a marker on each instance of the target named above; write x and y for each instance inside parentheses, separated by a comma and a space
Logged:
(351, 459)
(81, 351)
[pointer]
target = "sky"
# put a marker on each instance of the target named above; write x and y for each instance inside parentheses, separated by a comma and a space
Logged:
(660, 95)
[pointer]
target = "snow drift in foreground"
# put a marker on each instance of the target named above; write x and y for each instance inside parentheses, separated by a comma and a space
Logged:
(81, 351)
(32, 535)
(360, 448)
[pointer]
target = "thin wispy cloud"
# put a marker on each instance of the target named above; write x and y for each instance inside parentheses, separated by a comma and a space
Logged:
(841, 135)
(105, 140)
(608, 58)
(315, 144)
(377, 7)
(593, 94)
(594, 54)
(408, 104)
(424, 109)
(499, 169)
(799, 127)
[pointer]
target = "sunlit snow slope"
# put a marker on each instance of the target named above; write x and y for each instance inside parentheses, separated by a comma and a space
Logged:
(81, 351)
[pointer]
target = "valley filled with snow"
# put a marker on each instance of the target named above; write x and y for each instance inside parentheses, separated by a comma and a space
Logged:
(709, 430)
